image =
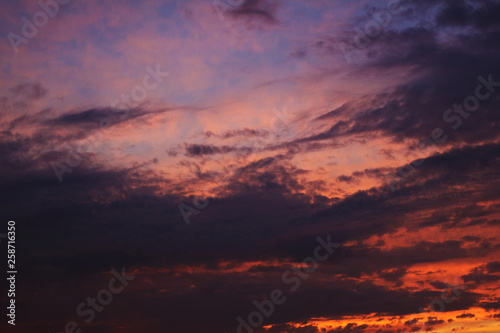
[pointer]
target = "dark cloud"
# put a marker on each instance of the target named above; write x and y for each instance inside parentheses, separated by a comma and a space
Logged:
(29, 91)
(493, 267)
(480, 278)
(484, 274)
(261, 208)
(455, 13)
(92, 116)
(96, 119)
(494, 305)
(466, 315)
(394, 275)
(246, 132)
(414, 108)
(262, 9)
(200, 150)
(439, 285)
(482, 15)
(21, 96)
(101, 117)
(346, 179)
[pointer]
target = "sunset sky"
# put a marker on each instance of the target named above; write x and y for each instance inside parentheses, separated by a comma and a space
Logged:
(208, 147)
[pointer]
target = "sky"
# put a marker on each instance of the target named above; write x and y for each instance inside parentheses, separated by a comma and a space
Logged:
(245, 166)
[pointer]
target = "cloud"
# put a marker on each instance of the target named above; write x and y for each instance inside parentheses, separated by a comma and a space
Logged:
(29, 91)
(466, 315)
(199, 150)
(113, 201)
(246, 132)
(262, 9)
(102, 117)
(324, 174)
(480, 14)
(21, 96)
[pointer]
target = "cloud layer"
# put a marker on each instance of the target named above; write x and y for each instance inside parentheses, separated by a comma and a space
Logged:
(267, 137)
